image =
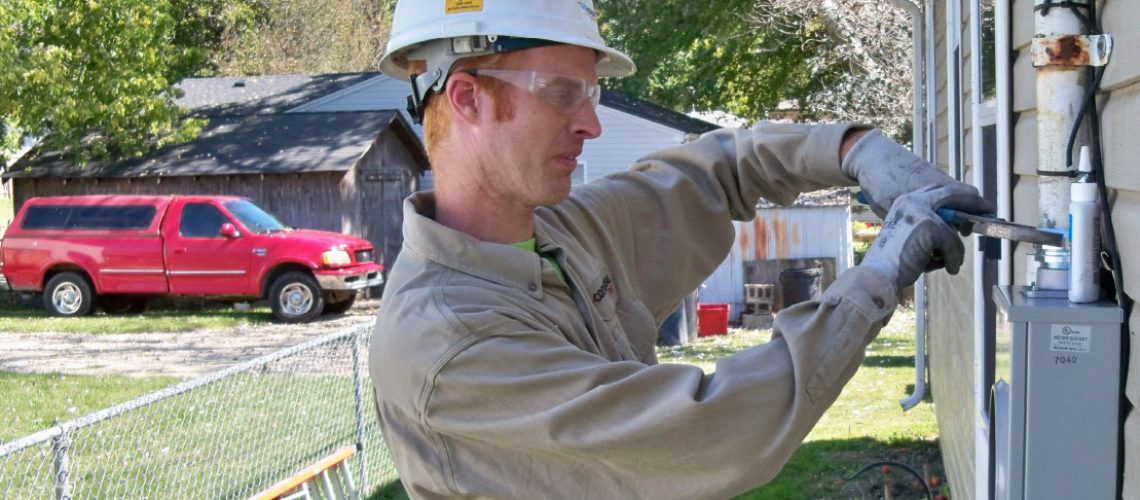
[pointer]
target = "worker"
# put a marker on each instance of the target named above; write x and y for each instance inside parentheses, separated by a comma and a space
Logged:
(513, 353)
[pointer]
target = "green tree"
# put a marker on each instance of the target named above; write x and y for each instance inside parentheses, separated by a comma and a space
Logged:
(305, 36)
(709, 56)
(94, 77)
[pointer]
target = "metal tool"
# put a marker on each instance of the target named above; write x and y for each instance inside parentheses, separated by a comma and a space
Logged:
(995, 227)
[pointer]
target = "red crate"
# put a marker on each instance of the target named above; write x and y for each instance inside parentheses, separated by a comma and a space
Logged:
(712, 319)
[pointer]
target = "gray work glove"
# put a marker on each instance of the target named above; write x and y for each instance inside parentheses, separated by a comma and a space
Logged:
(914, 239)
(885, 171)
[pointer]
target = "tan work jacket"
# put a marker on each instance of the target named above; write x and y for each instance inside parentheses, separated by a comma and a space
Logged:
(494, 377)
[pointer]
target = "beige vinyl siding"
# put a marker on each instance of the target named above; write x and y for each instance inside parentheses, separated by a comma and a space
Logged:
(950, 306)
(1121, 130)
(1120, 104)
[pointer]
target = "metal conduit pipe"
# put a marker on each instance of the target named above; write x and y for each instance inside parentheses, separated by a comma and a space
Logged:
(1060, 90)
(917, 119)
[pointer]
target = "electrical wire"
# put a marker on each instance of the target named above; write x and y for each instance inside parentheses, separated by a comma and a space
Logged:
(925, 487)
(1110, 244)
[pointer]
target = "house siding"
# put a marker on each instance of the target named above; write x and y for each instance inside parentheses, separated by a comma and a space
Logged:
(951, 311)
(950, 303)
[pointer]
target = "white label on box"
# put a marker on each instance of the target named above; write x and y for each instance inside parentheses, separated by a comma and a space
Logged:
(1071, 338)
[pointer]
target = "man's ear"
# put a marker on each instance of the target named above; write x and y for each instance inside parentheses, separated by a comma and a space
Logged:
(462, 94)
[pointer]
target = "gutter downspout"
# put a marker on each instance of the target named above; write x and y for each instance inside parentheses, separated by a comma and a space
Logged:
(982, 354)
(1004, 73)
(919, 148)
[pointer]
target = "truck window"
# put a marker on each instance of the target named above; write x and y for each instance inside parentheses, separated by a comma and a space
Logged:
(255, 218)
(88, 217)
(201, 220)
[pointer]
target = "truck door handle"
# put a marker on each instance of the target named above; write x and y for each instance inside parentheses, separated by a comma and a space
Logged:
(180, 250)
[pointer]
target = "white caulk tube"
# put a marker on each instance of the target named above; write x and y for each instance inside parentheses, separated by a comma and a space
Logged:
(1084, 235)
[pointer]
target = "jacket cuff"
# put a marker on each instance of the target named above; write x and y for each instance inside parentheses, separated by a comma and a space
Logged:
(822, 153)
(868, 290)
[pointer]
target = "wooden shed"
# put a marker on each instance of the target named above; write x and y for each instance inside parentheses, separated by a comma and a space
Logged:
(346, 172)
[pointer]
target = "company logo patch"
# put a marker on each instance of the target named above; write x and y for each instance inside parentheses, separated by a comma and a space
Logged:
(588, 10)
(457, 6)
(606, 289)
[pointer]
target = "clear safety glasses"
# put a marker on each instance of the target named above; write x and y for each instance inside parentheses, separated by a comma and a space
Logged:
(563, 92)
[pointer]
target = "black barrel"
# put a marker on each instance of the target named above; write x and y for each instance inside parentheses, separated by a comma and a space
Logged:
(799, 284)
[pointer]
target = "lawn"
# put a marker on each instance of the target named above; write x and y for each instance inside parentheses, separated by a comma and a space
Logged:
(30, 317)
(865, 425)
(33, 401)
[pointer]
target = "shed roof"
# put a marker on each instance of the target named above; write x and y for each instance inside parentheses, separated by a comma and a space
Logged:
(652, 112)
(250, 144)
(243, 95)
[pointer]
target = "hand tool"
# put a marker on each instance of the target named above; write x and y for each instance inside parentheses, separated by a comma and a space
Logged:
(995, 227)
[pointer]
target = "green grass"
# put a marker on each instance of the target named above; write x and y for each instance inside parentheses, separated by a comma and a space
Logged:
(33, 401)
(32, 318)
(865, 425)
(229, 439)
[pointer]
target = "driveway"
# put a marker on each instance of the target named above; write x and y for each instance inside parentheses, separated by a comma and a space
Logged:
(185, 354)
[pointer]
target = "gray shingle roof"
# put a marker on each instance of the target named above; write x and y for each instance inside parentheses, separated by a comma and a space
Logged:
(652, 112)
(243, 95)
(251, 144)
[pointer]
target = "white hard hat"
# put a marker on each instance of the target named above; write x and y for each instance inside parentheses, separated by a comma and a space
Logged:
(441, 32)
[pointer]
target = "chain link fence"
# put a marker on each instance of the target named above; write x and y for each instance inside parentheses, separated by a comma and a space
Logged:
(230, 434)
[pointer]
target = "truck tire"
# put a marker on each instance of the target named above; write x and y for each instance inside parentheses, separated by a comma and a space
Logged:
(341, 306)
(68, 294)
(295, 297)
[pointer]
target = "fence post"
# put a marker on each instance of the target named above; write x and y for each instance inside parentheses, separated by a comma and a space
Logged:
(358, 381)
(59, 461)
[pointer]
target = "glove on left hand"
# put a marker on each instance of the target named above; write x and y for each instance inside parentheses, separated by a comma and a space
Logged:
(885, 170)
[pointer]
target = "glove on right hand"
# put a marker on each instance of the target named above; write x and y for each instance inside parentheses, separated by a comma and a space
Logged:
(914, 239)
(885, 170)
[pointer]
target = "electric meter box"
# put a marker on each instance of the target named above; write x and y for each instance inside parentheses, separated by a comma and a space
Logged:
(1056, 398)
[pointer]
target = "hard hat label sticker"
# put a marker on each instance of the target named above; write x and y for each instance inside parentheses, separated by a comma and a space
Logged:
(457, 6)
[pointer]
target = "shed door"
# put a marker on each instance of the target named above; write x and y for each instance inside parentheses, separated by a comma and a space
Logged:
(387, 187)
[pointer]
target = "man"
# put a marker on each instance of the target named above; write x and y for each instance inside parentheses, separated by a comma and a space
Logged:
(513, 355)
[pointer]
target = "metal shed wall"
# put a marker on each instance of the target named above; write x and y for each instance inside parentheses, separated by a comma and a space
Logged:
(780, 233)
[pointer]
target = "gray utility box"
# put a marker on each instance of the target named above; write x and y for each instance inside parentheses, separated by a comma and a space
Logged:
(1056, 398)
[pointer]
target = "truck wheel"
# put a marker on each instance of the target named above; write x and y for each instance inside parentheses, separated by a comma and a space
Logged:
(68, 294)
(295, 297)
(333, 306)
(116, 304)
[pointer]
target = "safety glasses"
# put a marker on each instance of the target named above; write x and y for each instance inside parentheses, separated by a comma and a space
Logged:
(562, 92)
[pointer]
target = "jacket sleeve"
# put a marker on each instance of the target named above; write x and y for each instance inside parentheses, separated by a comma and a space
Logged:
(673, 209)
(655, 431)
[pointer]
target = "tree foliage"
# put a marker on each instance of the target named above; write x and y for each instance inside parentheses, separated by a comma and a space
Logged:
(305, 36)
(864, 50)
(94, 77)
(707, 56)
(800, 59)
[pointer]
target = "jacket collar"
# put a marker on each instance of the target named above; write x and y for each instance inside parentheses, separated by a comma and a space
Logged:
(495, 262)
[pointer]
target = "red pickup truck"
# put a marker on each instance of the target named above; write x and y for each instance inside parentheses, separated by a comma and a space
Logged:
(116, 252)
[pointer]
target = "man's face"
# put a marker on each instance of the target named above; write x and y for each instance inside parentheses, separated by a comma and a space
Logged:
(529, 157)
